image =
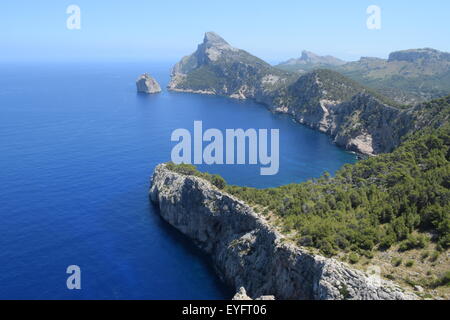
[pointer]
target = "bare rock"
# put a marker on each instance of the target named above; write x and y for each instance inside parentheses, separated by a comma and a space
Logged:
(146, 84)
(248, 252)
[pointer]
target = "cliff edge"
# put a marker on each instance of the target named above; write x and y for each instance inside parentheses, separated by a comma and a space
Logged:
(248, 252)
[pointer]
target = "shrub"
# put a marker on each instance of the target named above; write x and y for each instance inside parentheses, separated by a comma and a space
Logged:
(445, 279)
(413, 242)
(434, 256)
(396, 262)
(425, 255)
(353, 258)
(409, 263)
(218, 181)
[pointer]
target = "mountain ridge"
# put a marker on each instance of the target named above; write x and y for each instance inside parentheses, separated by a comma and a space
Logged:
(322, 99)
(406, 76)
(309, 61)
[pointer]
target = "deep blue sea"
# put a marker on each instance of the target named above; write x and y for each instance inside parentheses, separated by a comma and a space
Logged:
(77, 149)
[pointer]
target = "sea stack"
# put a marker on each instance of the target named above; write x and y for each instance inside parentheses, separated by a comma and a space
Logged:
(146, 84)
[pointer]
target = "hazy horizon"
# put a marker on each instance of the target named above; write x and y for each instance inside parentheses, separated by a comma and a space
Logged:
(155, 31)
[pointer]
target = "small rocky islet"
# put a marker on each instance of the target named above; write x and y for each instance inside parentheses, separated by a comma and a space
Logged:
(147, 84)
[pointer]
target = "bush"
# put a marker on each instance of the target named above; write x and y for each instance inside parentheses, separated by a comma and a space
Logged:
(413, 242)
(218, 181)
(434, 256)
(191, 170)
(409, 263)
(353, 258)
(445, 279)
(396, 262)
(425, 255)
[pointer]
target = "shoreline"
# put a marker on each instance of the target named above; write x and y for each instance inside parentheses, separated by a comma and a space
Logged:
(248, 252)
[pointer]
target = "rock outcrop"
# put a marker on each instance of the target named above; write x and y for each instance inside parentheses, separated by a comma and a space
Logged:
(242, 295)
(248, 252)
(146, 84)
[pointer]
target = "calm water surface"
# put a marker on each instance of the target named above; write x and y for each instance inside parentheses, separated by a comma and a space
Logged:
(77, 148)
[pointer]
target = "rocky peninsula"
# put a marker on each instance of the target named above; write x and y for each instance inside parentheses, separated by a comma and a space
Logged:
(249, 253)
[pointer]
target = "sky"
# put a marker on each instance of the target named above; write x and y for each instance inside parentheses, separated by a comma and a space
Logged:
(136, 30)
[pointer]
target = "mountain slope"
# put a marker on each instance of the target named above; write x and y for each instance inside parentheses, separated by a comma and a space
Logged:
(218, 68)
(408, 76)
(357, 118)
(390, 211)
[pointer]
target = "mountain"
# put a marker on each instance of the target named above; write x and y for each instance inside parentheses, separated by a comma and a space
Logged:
(309, 61)
(356, 117)
(408, 76)
(218, 68)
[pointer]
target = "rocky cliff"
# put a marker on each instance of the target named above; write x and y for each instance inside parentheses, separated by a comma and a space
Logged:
(247, 252)
(146, 84)
(357, 118)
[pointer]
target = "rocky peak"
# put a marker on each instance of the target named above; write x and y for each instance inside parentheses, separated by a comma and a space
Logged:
(309, 56)
(212, 48)
(213, 38)
(414, 55)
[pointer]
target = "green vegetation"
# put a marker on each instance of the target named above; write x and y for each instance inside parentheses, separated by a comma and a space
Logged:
(343, 290)
(408, 77)
(391, 199)
(413, 242)
(353, 258)
(444, 280)
(303, 92)
(190, 170)
(409, 263)
(397, 262)
(375, 203)
(434, 256)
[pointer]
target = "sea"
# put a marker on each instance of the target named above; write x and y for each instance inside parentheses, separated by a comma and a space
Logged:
(78, 146)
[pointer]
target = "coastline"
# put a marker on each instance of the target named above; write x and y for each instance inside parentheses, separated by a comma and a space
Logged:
(248, 252)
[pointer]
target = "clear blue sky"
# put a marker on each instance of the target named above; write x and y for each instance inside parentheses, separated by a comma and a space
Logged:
(167, 29)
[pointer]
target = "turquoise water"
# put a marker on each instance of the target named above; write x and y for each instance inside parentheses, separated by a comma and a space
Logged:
(78, 146)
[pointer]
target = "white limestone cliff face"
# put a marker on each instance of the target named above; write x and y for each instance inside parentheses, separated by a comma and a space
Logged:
(363, 124)
(248, 252)
(146, 84)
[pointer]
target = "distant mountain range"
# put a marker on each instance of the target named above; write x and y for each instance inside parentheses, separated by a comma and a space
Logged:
(310, 61)
(408, 76)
